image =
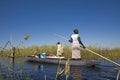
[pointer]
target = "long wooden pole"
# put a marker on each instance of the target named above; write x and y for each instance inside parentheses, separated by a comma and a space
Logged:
(61, 37)
(103, 57)
(92, 51)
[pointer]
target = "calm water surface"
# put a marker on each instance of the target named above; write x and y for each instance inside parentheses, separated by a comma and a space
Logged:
(19, 69)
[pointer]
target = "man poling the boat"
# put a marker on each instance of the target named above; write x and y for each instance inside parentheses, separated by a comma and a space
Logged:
(76, 43)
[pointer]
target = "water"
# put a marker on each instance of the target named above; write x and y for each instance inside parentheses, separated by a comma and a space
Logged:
(19, 69)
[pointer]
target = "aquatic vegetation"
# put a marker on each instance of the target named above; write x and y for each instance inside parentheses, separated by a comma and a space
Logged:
(59, 70)
(113, 53)
(27, 36)
(10, 74)
(117, 77)
(67, 69)
(59, 73)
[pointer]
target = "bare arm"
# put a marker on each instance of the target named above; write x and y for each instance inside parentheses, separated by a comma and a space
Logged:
(71, 40)
(81, 42)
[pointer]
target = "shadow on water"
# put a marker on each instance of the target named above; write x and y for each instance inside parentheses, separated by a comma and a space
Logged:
(10, 69)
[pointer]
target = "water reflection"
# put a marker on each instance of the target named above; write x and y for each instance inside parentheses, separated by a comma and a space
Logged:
(11, 69)
(77, 73)
(37, 71)
(11, 59)
(41, 68)
(48, 70)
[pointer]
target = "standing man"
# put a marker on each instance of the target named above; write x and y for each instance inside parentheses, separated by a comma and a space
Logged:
(60, 48)
(76, 43)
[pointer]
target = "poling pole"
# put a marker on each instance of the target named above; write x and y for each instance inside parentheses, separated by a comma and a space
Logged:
(91, 51)
(61, 37)
(102, 57)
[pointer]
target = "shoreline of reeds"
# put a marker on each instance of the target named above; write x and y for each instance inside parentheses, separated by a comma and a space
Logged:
(113, 53)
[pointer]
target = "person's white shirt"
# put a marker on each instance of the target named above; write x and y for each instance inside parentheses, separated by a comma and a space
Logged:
(75, 38)
(59, 47)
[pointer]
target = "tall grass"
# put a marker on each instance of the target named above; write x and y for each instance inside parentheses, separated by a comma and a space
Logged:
(113, 53)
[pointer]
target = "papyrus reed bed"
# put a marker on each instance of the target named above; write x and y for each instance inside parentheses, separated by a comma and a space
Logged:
(113, 53)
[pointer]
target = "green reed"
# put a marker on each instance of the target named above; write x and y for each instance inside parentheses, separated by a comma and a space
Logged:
(113, 53)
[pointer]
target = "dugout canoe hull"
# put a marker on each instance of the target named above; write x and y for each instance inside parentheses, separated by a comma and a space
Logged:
(73, 62)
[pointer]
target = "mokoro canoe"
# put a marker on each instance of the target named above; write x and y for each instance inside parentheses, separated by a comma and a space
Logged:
(73, 62)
